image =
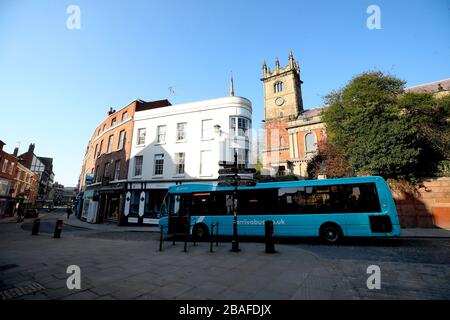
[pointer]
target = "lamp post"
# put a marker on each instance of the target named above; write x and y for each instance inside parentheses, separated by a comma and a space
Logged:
(234, 182)
(235, 242)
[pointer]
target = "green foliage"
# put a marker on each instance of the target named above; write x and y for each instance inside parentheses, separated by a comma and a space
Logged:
(443, 169)
(258, 166)
(382, 131)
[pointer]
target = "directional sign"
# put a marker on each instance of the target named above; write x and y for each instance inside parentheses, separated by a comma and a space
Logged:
(247, 170)
(231, 177)
(241, 183)
(228, 171)
(226, 163)
(237, 171)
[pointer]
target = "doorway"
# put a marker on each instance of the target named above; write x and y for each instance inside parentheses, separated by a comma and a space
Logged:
(113, 206)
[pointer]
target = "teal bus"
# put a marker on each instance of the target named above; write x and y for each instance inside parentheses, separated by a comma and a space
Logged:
(328, 208)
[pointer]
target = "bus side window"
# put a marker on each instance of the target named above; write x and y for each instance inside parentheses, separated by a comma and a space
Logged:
(201, 204)
(174, 204)
(185, 205)
(361, 198)
(262, 201)
(222, 203)
(229, 209)
(307, 200)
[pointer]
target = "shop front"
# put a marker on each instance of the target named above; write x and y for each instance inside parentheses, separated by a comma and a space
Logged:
(89, 209)
(143, 201)
(111, 199)
(7, 203)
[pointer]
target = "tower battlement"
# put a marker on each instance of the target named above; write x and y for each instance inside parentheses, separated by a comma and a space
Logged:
(282, 90)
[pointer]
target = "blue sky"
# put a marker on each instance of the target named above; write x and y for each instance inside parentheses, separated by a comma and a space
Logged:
(56, 84)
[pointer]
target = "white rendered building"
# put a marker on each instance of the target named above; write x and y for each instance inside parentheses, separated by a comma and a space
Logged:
(183, 144)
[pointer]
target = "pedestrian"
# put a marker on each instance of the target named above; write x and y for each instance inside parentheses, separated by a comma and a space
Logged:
(20, 211)
(69, 210)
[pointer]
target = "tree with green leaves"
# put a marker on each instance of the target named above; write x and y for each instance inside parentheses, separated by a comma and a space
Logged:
(383, 131)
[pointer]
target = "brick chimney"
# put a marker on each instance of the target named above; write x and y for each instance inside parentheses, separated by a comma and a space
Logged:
(16, 152)
(31, 148)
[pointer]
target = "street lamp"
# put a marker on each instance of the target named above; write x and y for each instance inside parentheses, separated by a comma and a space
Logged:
(217, 128)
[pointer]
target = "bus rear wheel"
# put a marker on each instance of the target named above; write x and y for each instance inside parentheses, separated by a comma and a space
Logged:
(200, 232)
(330, 233)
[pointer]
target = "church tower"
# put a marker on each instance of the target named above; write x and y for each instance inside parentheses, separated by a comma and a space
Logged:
(283, 103)
(282, 90)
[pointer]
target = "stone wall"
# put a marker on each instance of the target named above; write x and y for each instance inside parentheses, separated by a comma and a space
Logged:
(429, 208)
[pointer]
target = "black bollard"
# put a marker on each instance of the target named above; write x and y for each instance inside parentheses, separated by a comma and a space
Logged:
(58, 229)
(270, 246)
(36, 224)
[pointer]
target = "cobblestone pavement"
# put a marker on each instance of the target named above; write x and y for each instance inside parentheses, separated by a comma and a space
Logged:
(128, 265)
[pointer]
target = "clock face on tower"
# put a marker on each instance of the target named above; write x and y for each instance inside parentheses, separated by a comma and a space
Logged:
(279, 101)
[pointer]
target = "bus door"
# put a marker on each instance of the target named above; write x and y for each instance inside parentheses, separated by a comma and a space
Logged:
(179, 213)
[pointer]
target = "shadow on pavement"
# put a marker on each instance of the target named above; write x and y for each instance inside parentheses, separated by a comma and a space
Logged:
(49, 227)
(361, 242)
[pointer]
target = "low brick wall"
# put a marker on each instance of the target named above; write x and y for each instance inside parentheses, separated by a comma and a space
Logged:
(429, 209)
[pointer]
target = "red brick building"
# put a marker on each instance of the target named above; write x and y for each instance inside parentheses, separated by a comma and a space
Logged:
(105, 165)
(292, 133)
(7, 169)
(17, 182)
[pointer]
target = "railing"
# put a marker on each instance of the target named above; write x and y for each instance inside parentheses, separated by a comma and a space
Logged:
(214, 237)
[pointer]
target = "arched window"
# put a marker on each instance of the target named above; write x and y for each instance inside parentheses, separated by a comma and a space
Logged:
(310, 142)
(278, 86)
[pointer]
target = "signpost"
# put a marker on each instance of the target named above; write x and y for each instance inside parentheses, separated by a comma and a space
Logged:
(232, 175)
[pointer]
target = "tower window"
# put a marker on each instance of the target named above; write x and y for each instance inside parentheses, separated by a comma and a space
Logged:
(278, 86)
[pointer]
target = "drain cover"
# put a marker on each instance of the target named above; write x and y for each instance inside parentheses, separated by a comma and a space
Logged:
(16, 292)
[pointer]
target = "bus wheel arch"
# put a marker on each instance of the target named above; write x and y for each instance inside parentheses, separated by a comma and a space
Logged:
(200, 231)
(331, 232)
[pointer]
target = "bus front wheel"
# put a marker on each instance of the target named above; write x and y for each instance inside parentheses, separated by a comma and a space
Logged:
(200, 232)
(331, 233)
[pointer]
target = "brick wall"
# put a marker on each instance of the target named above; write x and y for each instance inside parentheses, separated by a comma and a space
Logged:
(429, 208)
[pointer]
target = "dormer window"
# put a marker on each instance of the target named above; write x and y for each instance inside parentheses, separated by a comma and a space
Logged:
(278, 86)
